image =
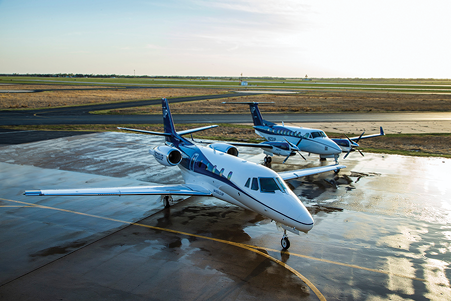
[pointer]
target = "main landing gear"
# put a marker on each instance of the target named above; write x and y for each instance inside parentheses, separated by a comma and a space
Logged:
(167, 199)
(285, 242)
(267, 160)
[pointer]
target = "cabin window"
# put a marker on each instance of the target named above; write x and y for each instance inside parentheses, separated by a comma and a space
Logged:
(254, 184)
(248, 182)
(230, 175)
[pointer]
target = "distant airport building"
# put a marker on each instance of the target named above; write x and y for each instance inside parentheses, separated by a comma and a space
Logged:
(243, 83)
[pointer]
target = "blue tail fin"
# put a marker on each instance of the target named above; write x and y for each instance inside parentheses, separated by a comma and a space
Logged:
(169, 127)
(257, 116)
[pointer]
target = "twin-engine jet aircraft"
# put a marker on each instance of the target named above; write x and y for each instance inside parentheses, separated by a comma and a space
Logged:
(215, 170)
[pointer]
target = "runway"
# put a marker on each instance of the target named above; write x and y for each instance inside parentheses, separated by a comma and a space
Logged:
(381, 230)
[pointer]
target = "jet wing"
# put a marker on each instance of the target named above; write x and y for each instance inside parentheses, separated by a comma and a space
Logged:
(181, 189)
(294, 174)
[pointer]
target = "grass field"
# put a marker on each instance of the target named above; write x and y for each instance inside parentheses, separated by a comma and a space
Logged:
(423, 96)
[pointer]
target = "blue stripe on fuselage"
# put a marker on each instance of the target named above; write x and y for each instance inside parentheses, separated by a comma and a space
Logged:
(192, 149)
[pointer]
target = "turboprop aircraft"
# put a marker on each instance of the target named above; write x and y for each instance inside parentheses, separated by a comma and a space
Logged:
(215, 170)
(308, 140)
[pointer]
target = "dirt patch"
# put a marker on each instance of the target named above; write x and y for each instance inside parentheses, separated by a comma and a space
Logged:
(324, 102)
(72, 95)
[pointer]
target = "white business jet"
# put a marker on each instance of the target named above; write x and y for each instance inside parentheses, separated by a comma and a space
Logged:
(308, 140)
(215, 170)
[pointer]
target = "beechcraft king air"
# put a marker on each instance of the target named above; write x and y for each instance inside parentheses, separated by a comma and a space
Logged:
(215, 170)
(293, 138)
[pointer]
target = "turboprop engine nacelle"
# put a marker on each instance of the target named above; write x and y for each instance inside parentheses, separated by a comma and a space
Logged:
(166, 155)
(225, 148)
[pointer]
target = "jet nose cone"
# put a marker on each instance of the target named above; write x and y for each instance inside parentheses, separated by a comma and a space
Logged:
(305, 222)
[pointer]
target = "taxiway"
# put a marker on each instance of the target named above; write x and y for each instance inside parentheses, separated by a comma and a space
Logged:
(382, 230)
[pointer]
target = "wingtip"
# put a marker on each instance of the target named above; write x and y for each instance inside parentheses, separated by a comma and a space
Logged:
(33, 193)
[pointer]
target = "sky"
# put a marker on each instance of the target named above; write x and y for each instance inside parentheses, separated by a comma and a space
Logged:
(284, 38)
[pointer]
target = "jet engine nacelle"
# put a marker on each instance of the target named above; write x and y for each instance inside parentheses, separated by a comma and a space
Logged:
(225, 148)
(166, 155)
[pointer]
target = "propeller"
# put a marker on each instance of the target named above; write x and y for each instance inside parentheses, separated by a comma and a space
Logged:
(353, 148)
(295, 148)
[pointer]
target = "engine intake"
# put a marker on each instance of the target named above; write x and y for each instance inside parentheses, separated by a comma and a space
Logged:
(166, 155)
(225, 148)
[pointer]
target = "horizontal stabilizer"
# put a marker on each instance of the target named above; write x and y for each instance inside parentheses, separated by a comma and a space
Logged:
(169, 134)
(247, 103)
(145, 132)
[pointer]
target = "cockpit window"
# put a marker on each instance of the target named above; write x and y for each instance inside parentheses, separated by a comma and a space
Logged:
(254, 184)
(268, 185)
(248, 182)
(319, 134)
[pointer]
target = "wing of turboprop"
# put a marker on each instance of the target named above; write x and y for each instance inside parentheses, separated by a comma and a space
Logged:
(196, 130)
(181, 189)
(381, 133)
(294, 174)
(168, 134)
(259, 145)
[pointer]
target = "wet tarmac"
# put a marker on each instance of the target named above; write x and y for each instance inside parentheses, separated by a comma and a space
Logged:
(382, 230)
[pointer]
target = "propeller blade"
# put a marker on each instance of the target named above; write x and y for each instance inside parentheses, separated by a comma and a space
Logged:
(292, 145)
(297, 144)
(348, 139)
(358, 139)
(360, 152)
(302, 156)
(349, 151)
(286, 159)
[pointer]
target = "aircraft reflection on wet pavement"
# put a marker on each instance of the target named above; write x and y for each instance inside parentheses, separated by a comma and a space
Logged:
(216, 170)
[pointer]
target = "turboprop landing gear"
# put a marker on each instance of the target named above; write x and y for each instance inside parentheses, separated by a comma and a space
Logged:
(167, 199)
(285, 242)
(267, 160)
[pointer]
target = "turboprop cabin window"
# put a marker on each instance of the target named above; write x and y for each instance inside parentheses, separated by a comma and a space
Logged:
(268, 185)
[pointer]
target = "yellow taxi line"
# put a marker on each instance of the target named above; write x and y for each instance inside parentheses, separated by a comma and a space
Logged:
(243, 246)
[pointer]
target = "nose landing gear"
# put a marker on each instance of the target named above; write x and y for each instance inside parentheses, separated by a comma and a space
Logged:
(285, 242)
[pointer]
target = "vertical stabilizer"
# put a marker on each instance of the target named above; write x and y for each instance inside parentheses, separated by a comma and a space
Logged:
(257, 116)
(169, 127)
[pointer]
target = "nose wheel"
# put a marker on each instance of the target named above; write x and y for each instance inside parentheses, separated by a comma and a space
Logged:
(285, 242)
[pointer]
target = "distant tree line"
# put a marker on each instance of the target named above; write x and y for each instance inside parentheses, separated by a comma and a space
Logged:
(79, 75)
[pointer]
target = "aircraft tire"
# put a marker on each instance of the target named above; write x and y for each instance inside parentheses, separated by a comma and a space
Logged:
(285, 242)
